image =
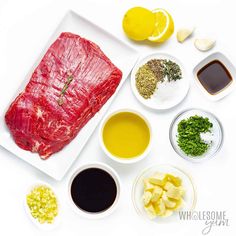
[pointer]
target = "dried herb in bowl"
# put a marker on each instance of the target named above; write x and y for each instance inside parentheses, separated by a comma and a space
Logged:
(156, 66)
(146, 81)
(189, 135)
(153, 72)
(171, 70)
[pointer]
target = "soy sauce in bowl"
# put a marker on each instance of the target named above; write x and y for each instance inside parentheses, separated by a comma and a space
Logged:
(94, 190)
(214, 77)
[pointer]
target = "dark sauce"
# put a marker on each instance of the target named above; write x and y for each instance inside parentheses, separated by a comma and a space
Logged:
(214, 77)
(93, 190)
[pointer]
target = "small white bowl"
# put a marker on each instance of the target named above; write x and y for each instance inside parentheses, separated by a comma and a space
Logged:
(119, 159)
(45, 226)
(190, 197)
(169, 94)
(98, 215)
(230, 67)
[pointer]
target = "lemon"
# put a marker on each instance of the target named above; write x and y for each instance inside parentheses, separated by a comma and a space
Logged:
(138, 23)
(164, 26)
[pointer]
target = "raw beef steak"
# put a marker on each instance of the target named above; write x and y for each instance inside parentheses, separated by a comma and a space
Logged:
(71, 83)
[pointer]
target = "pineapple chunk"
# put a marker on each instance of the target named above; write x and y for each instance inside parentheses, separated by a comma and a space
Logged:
(150, 211)
(159, 207)
(174, 193)
(182, 190)
(158, 179)
(179, 204)
(147, 196)
(147, 185)
(168, 185)
(168, 202)
(175, 180)
(157, 192)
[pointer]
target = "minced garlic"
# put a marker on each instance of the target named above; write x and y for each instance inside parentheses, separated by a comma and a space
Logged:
(43, 204)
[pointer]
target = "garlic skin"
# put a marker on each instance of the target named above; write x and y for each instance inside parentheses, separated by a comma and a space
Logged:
(204, 44)
(183, 34)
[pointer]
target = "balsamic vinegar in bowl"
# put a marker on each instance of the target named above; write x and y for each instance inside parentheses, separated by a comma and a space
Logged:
(94, 190)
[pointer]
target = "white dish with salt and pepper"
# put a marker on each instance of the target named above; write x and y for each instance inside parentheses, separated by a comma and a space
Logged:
(167, 94)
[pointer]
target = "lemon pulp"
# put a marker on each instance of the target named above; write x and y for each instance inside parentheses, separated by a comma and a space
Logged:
(126, 135)
(164, 26)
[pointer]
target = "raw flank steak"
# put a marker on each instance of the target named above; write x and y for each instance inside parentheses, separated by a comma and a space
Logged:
(69, 86)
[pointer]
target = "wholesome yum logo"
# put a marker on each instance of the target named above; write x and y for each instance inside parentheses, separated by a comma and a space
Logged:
(211, 219)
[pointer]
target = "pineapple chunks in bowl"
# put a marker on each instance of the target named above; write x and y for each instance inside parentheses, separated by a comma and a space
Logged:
(162, 190)
(163, 194)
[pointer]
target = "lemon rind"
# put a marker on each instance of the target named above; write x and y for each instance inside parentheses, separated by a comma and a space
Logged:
(156, 38)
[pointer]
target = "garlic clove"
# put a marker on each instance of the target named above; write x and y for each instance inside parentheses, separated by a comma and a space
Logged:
(183, 34)
(204, 44)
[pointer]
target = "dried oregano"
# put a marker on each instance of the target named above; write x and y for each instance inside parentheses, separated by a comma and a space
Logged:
(146, 81)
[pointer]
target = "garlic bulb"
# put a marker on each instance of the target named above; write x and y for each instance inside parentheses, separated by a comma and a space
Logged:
(204, 44)
(183, 34)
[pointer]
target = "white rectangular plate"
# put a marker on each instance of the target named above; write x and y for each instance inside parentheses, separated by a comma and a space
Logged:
(123, 56)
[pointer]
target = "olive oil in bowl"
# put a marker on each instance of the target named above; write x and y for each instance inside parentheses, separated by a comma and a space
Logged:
(126, 136)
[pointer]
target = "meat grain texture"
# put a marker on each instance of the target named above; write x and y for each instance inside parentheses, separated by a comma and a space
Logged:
(69, 86)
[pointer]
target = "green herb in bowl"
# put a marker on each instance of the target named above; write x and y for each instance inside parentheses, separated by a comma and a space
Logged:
(189, 135)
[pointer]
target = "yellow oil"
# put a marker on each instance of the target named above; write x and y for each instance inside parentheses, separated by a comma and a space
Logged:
(126, 135)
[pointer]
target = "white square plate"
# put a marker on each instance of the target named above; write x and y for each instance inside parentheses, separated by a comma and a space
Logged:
(230, 67)
(122, 55)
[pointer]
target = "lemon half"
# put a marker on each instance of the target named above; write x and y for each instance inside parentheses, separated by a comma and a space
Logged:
(139, 23)
(164, 26)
